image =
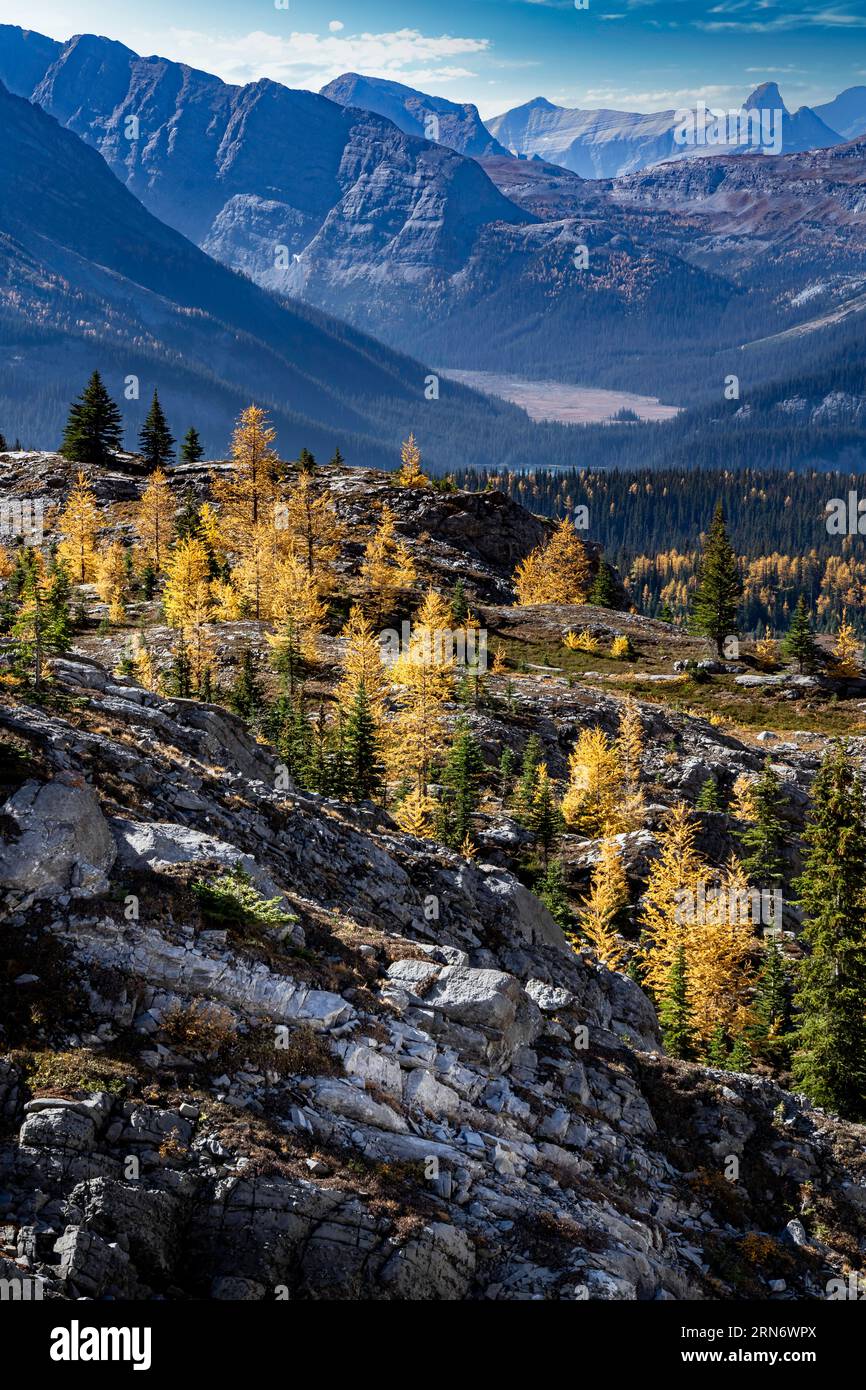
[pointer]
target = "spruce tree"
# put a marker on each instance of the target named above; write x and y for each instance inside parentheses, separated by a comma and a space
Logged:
(772, 1008)
(675, 1010)
(155, 440)
(553, 892)
(506, 773)
(528, 774)
(94, 430)
(337, 460)
(363, 774)
(246, 697)
(191, 450)
(459, 604)
(460, 791)
(709, 799)
(764, 838)
(830, 1061)
(716, 600)
(799, 643)
(306, 462)
(604, 592)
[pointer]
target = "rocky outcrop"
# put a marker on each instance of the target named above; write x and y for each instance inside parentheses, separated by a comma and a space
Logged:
(426, 1095)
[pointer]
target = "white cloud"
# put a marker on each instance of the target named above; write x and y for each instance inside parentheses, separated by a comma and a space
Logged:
(335, 25)
(309, 60)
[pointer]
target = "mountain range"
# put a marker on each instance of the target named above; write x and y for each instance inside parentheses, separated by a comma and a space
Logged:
(452, 249)
(605, 144)
(89, 277)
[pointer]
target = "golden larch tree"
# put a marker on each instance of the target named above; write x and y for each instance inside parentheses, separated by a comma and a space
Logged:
(78, 524)
(387, 568)
(187, 589)
(557, 572)
(245, 498)
(154, 518)
(310, 528)
(409, 473)
(608, 896)
(591, 801)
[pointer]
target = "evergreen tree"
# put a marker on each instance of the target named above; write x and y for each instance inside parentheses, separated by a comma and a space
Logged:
(246, 697)
(764, 838)
(363, 774)
(459, 604)
(41, 625)
(187, 520)
(544, 818)
(528, 774)
(604, 592)
(716, 600)
(337, 460)
(460, 791)
(553, 892)
(709, 799)
(772, 1008)
(306, 462)
(675, 1009)
(799, 643)
(191, 450)
(178, 678)
(830, 1061)
(94, 429)
(506, 774)
(155, 440)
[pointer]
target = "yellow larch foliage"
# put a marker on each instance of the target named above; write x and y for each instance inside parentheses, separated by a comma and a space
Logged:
(245, 499)
(500, 665)
(79, 524)
(416, 814)
(424, 676)
(597, 914)
(409, 474)
(767, 651)
(111, 580)
(310, 528)
(154, 518)
(297, 609)
(6, 565)
(362, 663)
(672, 885)
(594, 790)
(187, 589)
(557, 572)
(629, 743)
(742, 797)
(582, 641)
(387, 567)
(847, 651)
(254, 575)
(717, 956)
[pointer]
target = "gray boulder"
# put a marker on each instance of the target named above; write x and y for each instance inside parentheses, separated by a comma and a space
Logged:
(64, 844)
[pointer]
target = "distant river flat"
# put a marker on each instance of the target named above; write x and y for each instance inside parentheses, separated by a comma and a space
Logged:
(556, 400)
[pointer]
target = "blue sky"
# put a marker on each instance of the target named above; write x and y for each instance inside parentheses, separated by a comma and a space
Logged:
(630, 54)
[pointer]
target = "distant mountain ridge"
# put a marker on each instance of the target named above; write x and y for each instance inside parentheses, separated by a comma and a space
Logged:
(88, 277)
(603, 144)
(451, 123)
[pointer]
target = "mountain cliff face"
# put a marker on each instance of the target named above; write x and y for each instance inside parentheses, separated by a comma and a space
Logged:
(456, 124)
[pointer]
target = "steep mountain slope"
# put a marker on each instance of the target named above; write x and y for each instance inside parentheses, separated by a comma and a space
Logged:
(846, 112)
(409, 1086)
(457, 125)
(607, 144)
(89, 276)
(405, 238)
